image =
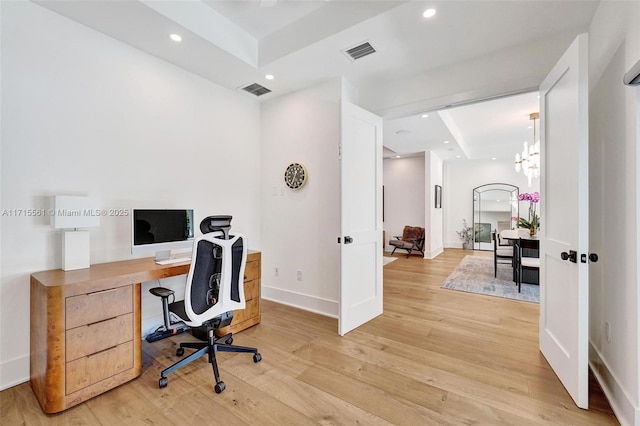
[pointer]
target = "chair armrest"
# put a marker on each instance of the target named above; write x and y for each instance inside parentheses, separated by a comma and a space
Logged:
(161, 291)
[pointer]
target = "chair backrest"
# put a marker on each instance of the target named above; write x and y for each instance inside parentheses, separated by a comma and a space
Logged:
(215, 283)
(414, 234)
(411, 233)
(507, 237)
(529, 248)
(422, 238)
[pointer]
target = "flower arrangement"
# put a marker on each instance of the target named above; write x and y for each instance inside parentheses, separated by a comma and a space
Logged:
(533, 222)
(465, 233)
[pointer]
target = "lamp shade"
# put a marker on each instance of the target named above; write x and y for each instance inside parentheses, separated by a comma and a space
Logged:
(75, 212)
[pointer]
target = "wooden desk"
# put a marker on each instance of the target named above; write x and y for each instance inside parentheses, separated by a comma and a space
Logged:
(85, 327)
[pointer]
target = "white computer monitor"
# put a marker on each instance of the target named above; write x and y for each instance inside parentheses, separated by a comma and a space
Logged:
(161, 231)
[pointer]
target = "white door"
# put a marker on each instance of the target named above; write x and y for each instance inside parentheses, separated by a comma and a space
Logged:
(564, 187)
(361, 217)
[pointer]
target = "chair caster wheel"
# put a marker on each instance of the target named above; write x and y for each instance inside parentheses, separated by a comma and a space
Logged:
(229, 341)
(257, 357)
(163, 382)
(220, 386)
(179, 351)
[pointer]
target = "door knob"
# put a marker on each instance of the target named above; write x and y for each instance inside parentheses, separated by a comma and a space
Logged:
(571, 256)
(348, 240)
(593, 257)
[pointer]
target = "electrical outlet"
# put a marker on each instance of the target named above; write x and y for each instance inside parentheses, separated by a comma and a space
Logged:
(299, 275)
(607, 331)
(276, 271)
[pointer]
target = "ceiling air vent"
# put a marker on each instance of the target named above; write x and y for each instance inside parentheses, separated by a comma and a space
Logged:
(256, 89)
(360, 51)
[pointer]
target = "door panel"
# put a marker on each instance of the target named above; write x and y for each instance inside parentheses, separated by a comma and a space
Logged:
(564, 285)
(361, 217)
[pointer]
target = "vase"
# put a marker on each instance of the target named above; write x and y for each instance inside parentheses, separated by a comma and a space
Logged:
(533, 231)
(466, 246)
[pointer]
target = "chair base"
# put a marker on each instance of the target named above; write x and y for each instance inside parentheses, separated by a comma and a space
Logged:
(210, 347)
(409, 251)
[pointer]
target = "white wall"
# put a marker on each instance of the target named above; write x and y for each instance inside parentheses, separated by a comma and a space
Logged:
(614, 122)
(404, 195)
(460, 177)
(434, 217)
(300, 228)
(85, 114)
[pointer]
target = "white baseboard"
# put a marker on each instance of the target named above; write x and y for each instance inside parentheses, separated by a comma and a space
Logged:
(434, 253)
(623, 407)
(14, 372)
(328, 308)
(453, 245)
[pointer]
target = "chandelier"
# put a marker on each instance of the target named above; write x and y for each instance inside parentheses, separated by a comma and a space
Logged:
(529, 160)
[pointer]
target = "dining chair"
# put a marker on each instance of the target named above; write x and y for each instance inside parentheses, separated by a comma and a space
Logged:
(500, 252)
(527, 258)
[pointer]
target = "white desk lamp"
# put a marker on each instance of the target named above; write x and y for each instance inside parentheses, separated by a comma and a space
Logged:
(71, 213)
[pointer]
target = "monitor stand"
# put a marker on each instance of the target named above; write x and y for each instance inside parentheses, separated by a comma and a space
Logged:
(167, 257)
(163, 255)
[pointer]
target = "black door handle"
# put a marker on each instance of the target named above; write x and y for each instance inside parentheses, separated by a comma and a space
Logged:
(348, 240)
(593, 257)
(571, 256)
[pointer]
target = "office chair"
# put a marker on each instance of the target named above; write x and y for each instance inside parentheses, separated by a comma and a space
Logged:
(214, 289)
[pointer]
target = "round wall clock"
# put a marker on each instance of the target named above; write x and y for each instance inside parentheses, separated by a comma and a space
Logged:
(295, 176)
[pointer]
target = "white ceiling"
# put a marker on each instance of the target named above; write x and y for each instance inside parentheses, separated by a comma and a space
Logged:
(493, 129)
(301, 43)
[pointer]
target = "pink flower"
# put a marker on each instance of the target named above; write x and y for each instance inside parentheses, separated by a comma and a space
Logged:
(535, 197)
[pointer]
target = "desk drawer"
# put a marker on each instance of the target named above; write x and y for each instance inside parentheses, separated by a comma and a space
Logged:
(252, 309)
(252, 271)
(94, 307)
(88, 339)
(91, 369)
(251, 290)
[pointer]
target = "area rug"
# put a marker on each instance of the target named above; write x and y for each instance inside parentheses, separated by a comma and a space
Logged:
(474, 274)
(387, 260)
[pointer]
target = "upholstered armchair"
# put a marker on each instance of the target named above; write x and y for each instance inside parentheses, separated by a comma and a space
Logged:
(412, 239)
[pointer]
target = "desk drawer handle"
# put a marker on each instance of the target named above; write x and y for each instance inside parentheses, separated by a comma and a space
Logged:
(102, 351)
(102, 291)
(101, 321)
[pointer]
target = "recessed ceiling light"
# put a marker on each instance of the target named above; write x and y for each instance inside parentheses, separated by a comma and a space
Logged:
(530, 127)
(538, 96)
(429, 13)
(175, 37)
(424, 115)
(397, 156)
(269, 77)
(446, 141)
(457, 156)
(493, 158)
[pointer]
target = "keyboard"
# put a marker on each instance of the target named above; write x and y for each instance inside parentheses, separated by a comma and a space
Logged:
(173, 260)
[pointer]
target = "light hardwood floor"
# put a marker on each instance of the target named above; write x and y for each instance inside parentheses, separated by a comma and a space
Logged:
(435, 357)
